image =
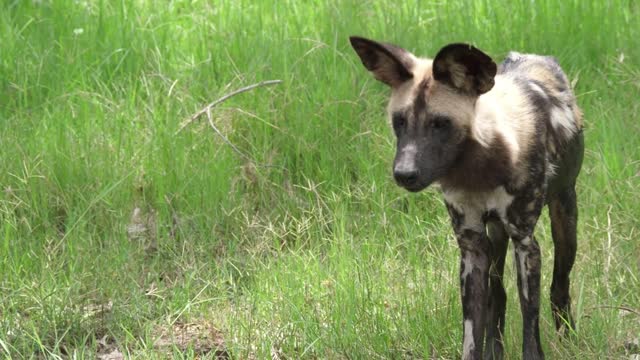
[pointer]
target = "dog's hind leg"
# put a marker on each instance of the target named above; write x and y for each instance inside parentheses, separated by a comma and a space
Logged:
(563, 212)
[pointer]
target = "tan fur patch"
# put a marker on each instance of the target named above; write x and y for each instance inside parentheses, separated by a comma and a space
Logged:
(458, 75)
(442, 99)
(403, 95)
(577, 115)
(505, 111)
(455, 105)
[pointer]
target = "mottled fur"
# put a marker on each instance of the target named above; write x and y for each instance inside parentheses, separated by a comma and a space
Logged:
(502, 141)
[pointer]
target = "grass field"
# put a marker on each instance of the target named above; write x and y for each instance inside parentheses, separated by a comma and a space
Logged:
(120, 235)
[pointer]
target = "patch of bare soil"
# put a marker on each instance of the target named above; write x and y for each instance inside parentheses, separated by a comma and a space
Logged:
(107, 350)
(201, 338)
(114, 354)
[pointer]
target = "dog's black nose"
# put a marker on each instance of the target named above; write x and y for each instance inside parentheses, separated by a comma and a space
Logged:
(406, 177)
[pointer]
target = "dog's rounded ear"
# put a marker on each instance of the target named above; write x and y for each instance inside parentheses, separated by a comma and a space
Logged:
(388, 63)
(465, 68)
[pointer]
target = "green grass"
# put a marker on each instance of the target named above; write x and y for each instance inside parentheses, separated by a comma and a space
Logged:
(316, 256)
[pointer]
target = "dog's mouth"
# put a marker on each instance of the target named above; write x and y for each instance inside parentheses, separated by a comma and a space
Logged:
(414, 187)
(417, 184)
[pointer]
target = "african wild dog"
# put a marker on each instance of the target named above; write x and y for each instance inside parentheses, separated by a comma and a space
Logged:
(502, 142)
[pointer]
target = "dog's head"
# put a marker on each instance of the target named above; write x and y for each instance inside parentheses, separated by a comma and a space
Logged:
(432, 104)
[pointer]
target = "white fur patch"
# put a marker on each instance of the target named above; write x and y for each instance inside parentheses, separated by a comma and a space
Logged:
(407, 160)
(468, 268)
(499, 201)
(539, 90)
(483, 126)
(410, 148)
(503, 112)
(514, 55)
(473, 205)
(468, 344)
(551, 170)
(562, 121)
(526, 241)
(521, 257)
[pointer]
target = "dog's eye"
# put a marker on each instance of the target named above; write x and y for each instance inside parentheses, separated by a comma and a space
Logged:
(398, 121)
(440, 122)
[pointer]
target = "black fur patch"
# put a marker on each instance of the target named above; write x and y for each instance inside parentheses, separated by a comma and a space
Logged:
(478, 168)
(457, 218)
(568, 162)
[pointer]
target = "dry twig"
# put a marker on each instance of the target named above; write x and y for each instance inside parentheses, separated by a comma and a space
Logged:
(222, 99)
(619, 308)
(207, 110)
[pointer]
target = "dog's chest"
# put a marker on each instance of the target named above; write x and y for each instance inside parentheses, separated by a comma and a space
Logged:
(472, 207)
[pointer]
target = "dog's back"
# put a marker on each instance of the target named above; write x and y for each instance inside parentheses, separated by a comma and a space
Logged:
(549, 89)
